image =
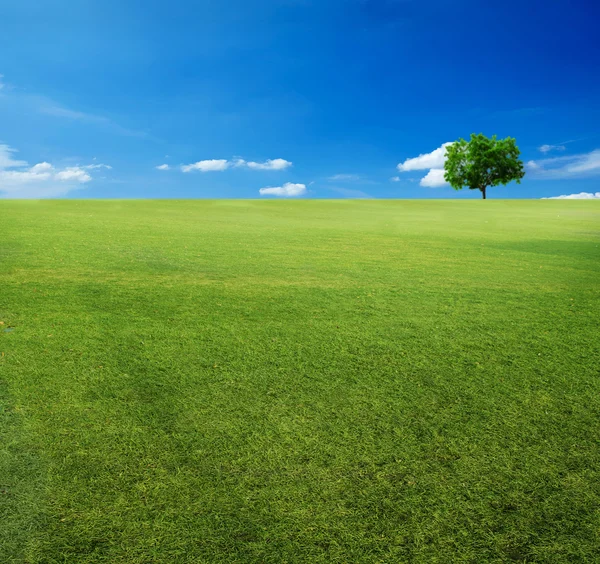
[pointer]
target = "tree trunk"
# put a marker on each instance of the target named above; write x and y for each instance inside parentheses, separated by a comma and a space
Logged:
(483, 192)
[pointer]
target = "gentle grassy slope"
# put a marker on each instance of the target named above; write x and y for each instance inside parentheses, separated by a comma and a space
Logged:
(308, 381)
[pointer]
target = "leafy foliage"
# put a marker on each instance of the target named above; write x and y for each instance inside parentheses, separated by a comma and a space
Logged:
(483, 162)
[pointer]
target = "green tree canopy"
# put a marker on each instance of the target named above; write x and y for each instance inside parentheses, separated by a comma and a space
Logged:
(483, 162)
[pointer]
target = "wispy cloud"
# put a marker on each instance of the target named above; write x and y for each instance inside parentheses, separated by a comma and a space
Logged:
(6, 158)
(99, 165)
(212, 165)
(49, 107)
(398, 179)
(288, 190)
(580, 196)
(162, 167)
(348, 193)
(42, 180)
(548, 148)
(344, 178)
(351, 178)
(570, 166)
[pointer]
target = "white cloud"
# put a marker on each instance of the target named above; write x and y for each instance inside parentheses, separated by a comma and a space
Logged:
(1, 81)
(548, 148)
(580, 196)
(41, 167)
(434, 178)
(73, 173)
(572, 166)
(42, 180)
(210, 165)
(14, 178)
(288, 190)
(162, 167)
(38, 182)
(344, 177)
(6, 159)
(435, 159)
(223, 164)
(269, 164)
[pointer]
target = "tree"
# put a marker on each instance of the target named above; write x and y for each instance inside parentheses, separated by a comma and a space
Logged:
(482, 162)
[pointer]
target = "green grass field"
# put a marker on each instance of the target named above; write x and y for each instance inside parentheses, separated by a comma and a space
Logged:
(306, 381)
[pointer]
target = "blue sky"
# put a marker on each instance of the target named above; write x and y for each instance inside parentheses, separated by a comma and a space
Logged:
(306, 98)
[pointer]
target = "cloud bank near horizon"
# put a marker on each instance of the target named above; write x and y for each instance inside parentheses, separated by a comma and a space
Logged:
(42, 180)
(288, 190)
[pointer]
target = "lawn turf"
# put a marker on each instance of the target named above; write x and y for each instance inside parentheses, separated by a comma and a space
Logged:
(299, 381)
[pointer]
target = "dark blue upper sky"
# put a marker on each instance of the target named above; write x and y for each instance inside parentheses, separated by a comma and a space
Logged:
(344, 90)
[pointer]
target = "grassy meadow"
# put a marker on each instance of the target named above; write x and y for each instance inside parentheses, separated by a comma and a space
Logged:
(299, 381)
